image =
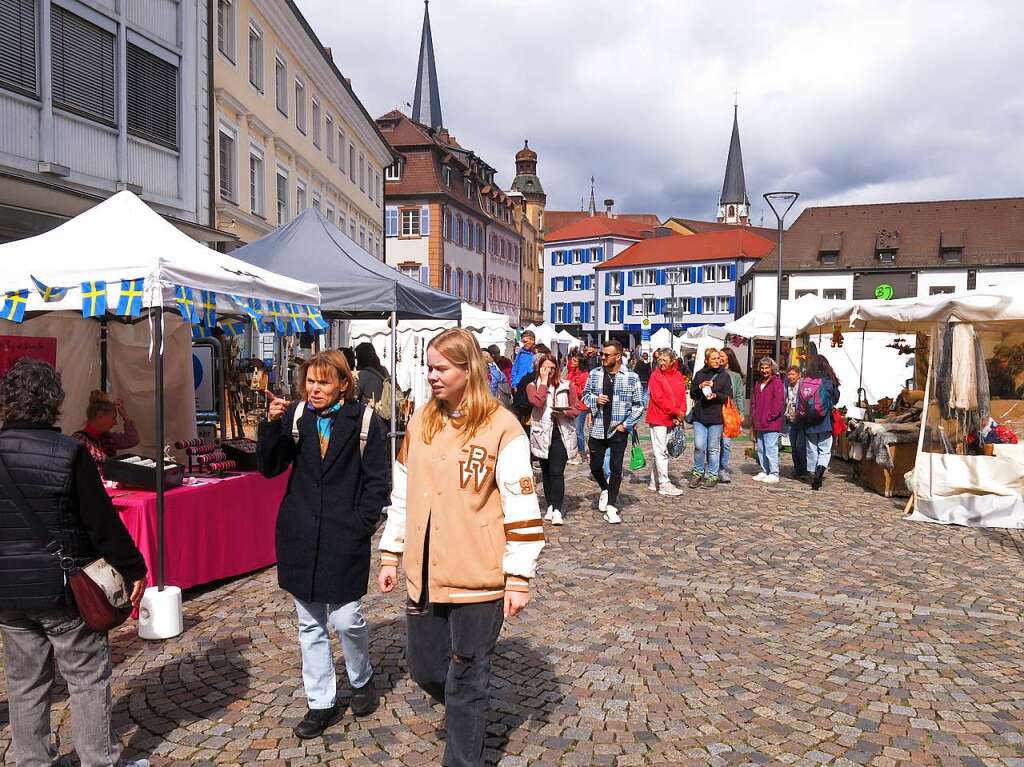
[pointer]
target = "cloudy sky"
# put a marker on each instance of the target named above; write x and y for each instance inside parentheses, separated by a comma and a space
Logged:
(845, 102)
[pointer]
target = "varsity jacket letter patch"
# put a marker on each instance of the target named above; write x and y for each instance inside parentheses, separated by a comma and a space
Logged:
(475, 468)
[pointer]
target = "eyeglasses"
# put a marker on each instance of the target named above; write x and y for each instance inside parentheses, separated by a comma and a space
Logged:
(609, 354)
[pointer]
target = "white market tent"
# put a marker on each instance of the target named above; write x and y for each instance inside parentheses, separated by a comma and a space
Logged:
(123, 239)
(971, 490)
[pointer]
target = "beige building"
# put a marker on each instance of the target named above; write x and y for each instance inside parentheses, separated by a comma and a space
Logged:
(527, 189)
(291, 133)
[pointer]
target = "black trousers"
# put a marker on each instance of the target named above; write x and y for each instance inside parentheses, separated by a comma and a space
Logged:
(616, 443)
(552, 471)
(449, 655)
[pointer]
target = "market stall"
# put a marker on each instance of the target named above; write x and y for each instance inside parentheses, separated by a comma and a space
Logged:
(119, 292)
(969, 465)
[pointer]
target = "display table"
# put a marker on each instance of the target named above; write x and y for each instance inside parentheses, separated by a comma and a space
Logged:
(212, 531)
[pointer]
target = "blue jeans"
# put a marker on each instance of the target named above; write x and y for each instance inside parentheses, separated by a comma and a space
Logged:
(581, 433)
(819, 450)
(768, 451)
(318, 676)
(726, 452)
(798, 443)
(706, 439)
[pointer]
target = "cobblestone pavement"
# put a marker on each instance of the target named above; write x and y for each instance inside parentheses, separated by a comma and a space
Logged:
(748, 624)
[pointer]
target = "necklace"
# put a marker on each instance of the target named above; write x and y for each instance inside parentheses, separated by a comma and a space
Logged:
(455, 414)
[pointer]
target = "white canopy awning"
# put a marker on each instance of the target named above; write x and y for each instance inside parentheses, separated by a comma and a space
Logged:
(796, 316)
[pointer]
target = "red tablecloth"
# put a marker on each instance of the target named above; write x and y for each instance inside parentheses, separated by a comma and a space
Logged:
(211, 531)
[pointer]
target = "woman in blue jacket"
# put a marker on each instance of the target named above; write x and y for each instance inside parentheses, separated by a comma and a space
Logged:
(819, 435)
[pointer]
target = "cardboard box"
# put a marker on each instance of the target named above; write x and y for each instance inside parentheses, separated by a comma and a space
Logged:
(889, 482)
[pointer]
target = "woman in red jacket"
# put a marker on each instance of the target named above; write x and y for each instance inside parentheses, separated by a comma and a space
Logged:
(576, 374)
(666, 409)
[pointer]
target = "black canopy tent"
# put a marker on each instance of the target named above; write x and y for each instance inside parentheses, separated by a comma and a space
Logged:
(353, 284)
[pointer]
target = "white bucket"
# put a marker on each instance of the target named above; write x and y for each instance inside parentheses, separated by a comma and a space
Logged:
(160, 615)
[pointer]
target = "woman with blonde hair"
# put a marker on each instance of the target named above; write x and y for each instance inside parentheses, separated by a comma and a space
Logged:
(464, 518)
(98, 434)
(336, 449)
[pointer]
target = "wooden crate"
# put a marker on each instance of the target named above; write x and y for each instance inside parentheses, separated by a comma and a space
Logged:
(889, 482)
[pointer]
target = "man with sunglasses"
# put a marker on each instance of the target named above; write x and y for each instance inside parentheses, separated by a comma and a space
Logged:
(615, 400)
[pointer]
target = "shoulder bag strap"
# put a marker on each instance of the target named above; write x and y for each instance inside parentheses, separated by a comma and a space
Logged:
(39, 530)
(364, 428)
(295, 420)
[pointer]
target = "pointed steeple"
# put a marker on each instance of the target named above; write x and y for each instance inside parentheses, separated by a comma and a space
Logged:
(734, 205)
(593, 202)
(426, 103)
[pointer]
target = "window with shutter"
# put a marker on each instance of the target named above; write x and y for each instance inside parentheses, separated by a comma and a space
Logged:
(281, 84)
(152, 97)
(256, 58)
(18, 46)
(83, 67)
(226, 28)
(226, 166)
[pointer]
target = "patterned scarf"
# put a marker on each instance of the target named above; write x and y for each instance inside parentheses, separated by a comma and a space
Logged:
(324, 424)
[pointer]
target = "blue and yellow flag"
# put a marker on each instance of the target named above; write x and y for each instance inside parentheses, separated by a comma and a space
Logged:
(231, 327)
(208, 299)
(201, 331)
(186, 302)
(94, 298)
(316, 320)
(274, 315)
(14, 305)
(130, 302)
(48, 294)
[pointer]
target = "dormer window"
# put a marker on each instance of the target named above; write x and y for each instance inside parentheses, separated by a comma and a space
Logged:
(828, 257)
(887, 242)
(447, 176)
(393, 172)
(468, 184)
(951, 245)
(952, 255)
(886, 256)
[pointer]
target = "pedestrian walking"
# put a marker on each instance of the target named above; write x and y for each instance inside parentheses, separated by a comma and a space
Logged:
(817, 396)
(666, 409)
(643, 370)
(710, 389)
(797, 440)
(523, 364)
(612, 395)
(768, 404)
(336, 449)
(577, 374)
(552, 431)
(52, 479)
(465, 523)
(739, 398)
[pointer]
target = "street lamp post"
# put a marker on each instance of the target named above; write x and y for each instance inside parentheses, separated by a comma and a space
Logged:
(784, 201)
(646, 326)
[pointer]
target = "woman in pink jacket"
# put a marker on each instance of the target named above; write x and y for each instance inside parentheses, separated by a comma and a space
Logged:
(666, 409)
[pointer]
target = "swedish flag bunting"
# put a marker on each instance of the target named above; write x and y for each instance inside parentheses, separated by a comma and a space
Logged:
(209, 301)
(296, 320)
(200, 331)
(274, 316)
(130, 302)
(186, 302)
(231, 327)
(14, 305)
(316, 320)
(94, 298)
(48, 294)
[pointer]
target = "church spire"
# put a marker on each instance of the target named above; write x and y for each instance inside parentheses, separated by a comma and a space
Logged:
(733, 205)
(426, 103)
(593, 202)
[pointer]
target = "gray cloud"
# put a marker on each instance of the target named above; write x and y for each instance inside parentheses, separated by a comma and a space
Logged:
(849, 101)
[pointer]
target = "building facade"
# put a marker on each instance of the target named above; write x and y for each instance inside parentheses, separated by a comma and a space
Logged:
(528, 192)
(894, 250)
(98, 96)
(291, 133)
(447, 222)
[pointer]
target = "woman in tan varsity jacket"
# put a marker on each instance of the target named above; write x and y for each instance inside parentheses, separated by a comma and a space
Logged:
(464, 518)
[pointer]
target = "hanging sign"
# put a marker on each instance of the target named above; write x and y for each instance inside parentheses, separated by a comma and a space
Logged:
(884, 292)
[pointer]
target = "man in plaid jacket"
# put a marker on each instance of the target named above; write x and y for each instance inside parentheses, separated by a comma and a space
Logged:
(614, 397)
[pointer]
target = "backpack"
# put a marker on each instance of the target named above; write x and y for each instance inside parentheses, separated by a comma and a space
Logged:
(504, 392)
(521, 402)
(383, 406)
(812, 404)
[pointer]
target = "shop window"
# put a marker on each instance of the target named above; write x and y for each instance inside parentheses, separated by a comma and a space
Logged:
(18, 46)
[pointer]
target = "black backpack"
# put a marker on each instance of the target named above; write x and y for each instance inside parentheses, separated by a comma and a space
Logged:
(521, 402)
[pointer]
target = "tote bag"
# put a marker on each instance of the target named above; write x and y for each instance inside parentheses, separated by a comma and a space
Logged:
(636, 455)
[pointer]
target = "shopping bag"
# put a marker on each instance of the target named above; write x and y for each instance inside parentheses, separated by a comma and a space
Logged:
(677, 442)
(732, 421)
(636, 455)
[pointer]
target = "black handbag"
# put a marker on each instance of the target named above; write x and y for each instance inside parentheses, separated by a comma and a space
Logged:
(100, 592)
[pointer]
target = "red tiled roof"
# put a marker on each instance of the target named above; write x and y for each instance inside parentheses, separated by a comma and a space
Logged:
(698, 227)
(599, 226)
(559, 219)
(738, 242)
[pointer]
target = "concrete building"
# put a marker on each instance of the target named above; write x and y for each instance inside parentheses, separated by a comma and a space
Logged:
(528, 192)
(894, 250)
(98, 96)
(447, 222)
(291, 133)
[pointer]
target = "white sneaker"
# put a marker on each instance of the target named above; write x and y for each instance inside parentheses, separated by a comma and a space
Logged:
(771, 479)
(670, 489)
(556, 518)
(611, 516)
(602, 502)
(652, 487)
(547, 517)
(760, 477)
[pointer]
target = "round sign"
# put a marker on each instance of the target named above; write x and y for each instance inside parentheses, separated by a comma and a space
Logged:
(646, 322)
(884, 292)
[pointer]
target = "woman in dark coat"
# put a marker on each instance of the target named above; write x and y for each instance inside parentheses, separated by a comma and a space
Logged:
(334, 499)
(710, 389)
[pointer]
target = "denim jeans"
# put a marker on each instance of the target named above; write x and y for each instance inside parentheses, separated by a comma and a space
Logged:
(706, 440)
(449, 652)
(819, 450)
(798, 443)
(33, 640)
(768, 451)
(581, 433)
(318, 675)
(612, 450)
(723, 464)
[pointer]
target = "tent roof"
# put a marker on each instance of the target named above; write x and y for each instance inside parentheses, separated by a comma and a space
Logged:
(353, 284)
(796, 314)
(123, 238)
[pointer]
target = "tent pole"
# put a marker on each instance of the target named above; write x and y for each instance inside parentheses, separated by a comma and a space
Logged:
(158, 368)
(104, 374)
(394, 387)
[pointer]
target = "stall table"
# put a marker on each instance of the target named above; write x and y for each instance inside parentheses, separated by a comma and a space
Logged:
(218, 529)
